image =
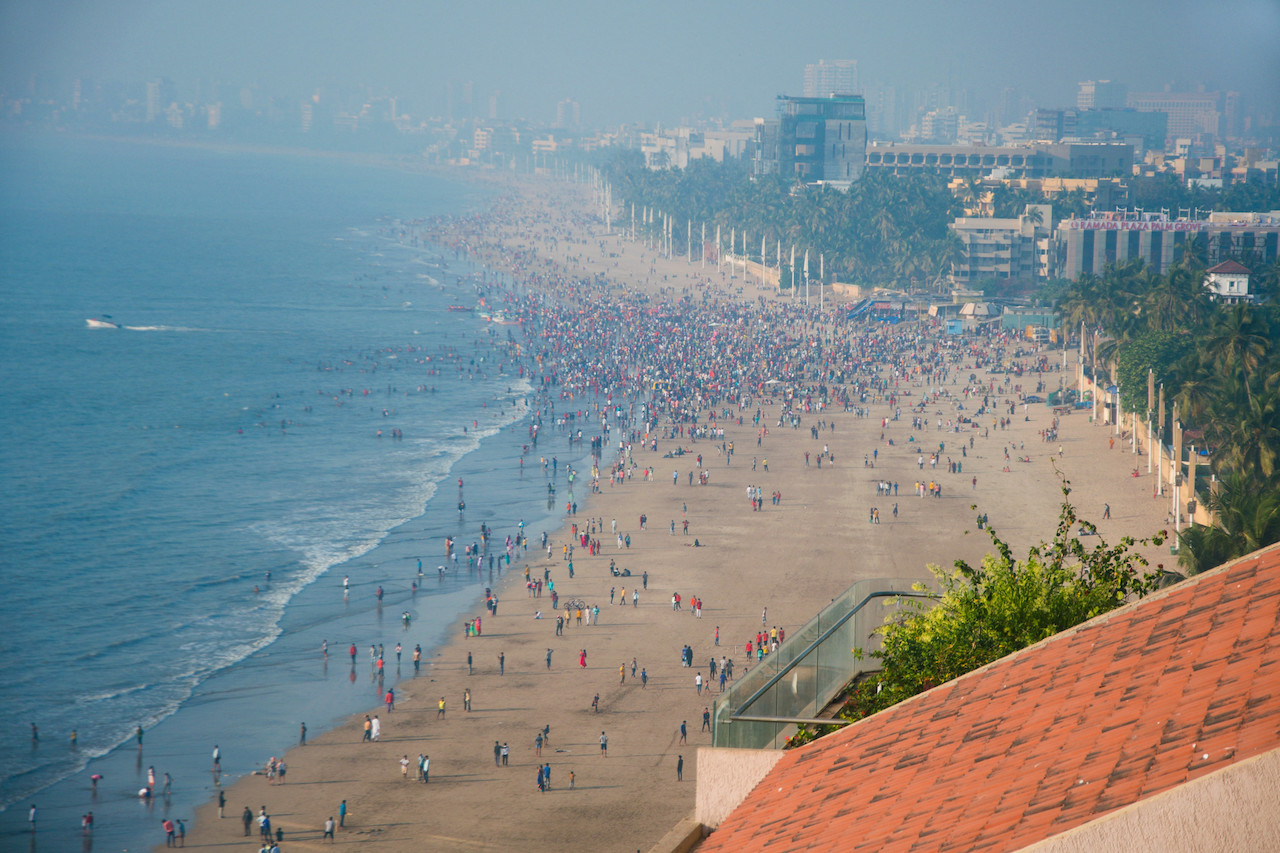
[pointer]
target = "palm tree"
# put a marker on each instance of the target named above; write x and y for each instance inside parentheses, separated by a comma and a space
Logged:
(1237, 341)
(1248, 435)
(1071, 204)
(1244, 520)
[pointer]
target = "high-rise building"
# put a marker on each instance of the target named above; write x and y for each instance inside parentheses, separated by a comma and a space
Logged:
(1190, 113)
(568, 114)
(940, 125)
(153, 100)
(831, 77)
(815, 140)
(1001, 248)
(1101, 95)
(493, 105)
(1088, 245)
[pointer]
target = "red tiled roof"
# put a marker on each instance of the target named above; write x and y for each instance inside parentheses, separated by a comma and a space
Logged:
(1229, 268)
(1130, 704)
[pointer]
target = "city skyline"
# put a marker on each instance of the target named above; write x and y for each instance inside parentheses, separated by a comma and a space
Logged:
(635, 65)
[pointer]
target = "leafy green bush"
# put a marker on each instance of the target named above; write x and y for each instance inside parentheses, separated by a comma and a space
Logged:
(1000, 606)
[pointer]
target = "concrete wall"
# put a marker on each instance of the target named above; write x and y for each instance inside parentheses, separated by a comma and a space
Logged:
(1163, 464)
(725, 778)
(682, 838)
(1232, 809)
(755, 272)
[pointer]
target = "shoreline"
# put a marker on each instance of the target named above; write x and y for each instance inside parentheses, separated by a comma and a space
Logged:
(277, 674)
(785, 559)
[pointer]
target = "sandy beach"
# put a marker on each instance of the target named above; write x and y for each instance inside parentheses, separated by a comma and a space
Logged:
(784, 560)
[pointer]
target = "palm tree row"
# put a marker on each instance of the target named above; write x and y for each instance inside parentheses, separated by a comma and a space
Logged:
(1222, 365)
(883, 231)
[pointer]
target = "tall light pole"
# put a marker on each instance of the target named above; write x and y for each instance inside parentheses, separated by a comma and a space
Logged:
(806, 278)
(1093, 375)
(822, 276)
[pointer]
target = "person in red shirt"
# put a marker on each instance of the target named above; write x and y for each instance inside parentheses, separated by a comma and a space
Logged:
(168, 832)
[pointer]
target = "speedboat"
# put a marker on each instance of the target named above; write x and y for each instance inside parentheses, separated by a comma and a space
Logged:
(95, 323)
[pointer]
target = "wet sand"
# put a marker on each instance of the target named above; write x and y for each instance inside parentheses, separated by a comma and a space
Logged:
(790, 558)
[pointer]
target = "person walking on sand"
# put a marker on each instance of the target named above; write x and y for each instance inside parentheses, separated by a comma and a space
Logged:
(328, 829)
(440, 709)
(604, 748)
(679, 768)
(247, 820)
(684, 731)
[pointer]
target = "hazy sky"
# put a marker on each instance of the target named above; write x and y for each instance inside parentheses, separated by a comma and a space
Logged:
(645, 60)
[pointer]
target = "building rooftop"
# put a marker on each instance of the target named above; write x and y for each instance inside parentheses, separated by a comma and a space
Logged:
(1137, 702)
(1229, 268)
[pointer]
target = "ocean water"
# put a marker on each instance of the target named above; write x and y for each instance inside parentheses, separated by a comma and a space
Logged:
(183, 495)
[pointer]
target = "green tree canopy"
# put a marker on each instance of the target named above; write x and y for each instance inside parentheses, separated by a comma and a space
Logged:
(1003, 604)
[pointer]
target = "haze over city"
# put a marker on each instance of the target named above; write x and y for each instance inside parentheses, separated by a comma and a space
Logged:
(318, 314)
(643, 62)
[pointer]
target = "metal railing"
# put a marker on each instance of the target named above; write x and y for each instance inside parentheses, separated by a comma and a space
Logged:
(793, 684)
